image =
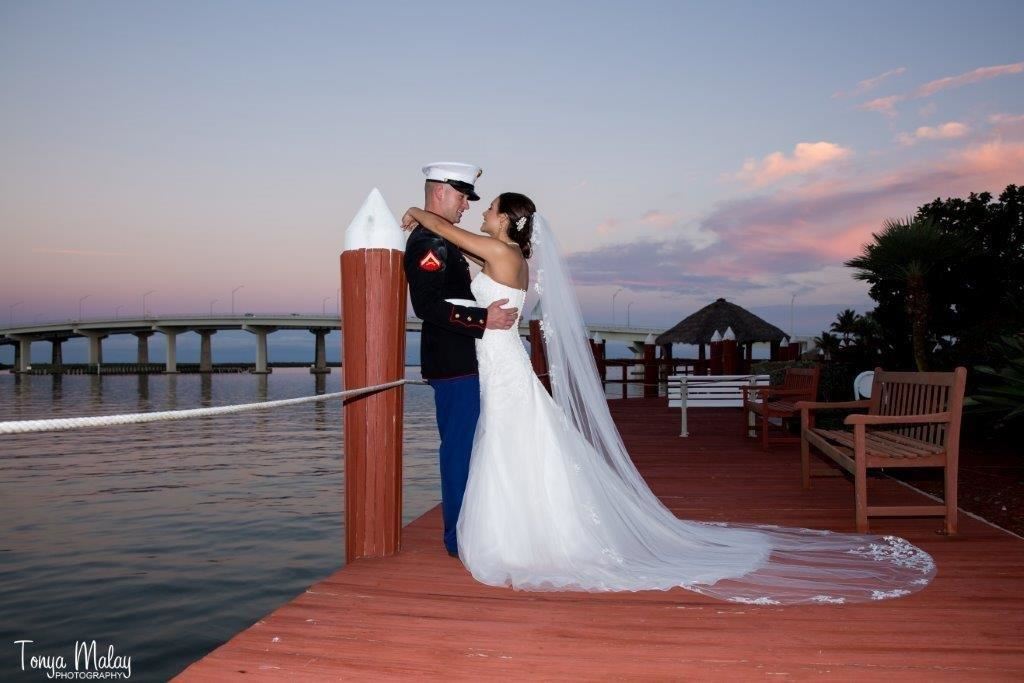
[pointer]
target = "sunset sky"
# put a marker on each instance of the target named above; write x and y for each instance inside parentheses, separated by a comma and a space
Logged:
(682, 151)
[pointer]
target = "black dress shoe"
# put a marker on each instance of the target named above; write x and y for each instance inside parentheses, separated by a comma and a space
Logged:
(453, 553)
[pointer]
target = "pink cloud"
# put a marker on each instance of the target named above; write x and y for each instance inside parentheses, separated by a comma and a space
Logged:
(947, 131)
(659, 219)
(761, 241)
(886, 105)
(607, 226)
(982, 74)
(806, 157)
(993, 159)
(1007, 124)
(883, 105)
(871, 83)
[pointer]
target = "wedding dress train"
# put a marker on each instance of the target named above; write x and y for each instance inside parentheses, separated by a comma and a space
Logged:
(549, 507)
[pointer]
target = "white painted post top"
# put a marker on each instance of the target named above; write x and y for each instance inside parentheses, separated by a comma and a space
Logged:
(729, 335)
(374, 226)
(716, 337)
(597, 338)
(649, 340)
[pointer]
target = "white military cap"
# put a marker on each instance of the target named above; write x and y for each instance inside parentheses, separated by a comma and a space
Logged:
(460, 176)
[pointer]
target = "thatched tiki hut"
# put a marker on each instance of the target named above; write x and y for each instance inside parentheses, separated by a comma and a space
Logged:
(711, 323)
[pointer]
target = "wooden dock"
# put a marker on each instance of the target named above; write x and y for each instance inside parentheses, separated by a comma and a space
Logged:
(420, 615)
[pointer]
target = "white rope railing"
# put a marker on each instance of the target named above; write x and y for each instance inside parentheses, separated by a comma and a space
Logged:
(61, 424)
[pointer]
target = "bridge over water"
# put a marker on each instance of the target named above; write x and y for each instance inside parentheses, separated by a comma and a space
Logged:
(259, 324)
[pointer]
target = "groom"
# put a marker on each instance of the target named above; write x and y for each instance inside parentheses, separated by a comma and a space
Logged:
(437, 271)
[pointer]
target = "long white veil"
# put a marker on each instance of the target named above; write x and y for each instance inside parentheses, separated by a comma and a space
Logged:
(742, 563)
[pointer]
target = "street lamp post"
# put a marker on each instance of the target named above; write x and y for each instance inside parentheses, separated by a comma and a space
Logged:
(152, 291)
(211, 307)
(233, 298)
(628, 306)
(323, 305)
(10, 313)
(613, 302)
(792, 334)
(80, 300)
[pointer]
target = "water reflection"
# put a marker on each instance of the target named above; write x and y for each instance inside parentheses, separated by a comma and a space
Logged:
(205, 388)
(172, 391)
(143, 389)
(136, 534)
(320, 408)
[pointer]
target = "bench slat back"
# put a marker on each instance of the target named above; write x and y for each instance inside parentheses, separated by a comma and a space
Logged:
(918, 393)
(802, 378)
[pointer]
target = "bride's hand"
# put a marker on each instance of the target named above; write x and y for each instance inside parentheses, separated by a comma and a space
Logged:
(408, 222)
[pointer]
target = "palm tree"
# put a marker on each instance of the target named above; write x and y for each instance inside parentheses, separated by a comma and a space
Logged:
(868, 334)
(900, 258)
(828, 344)
(846, 324)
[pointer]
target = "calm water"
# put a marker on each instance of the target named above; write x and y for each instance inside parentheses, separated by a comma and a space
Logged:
(167, 539)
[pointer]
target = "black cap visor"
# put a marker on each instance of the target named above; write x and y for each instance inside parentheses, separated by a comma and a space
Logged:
(463, 187)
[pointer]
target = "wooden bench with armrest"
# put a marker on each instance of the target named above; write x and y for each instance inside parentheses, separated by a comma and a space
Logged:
(762, 404)
(913, 420)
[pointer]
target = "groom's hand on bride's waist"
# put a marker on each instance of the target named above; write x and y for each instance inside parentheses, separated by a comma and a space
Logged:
(499, 318)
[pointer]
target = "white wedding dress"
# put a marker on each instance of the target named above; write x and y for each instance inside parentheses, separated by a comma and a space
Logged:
(544, 510)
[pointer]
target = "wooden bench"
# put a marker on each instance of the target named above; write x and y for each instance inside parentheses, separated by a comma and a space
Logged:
(779, 402)
(709, 391)
(912, 420)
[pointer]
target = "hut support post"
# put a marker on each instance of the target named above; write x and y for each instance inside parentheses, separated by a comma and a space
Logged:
(373, 289)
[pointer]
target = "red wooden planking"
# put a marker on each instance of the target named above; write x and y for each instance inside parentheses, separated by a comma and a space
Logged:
(420, 615)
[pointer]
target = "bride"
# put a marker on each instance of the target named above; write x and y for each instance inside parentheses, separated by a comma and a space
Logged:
(553, 500)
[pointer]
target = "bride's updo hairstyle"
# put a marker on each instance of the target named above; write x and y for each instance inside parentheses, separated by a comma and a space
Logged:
(519, 209)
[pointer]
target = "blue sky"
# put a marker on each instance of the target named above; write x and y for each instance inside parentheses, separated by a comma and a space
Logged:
(684, 151)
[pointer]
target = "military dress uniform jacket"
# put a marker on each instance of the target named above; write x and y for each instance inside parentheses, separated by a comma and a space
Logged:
(436, 270)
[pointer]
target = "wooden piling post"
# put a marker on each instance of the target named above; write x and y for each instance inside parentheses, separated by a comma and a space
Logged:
(650, 368)
(373, 290)
(729, 352)
(715, 359)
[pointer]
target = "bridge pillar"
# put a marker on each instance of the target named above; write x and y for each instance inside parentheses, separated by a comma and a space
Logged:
(95, 346)
(23, 354)
(261, 346)
(142, 358)
(171, 364)
(56, 355)
(205, 351)
(320, 355)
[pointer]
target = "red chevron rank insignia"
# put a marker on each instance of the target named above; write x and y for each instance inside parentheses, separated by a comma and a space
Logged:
(430, 262)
